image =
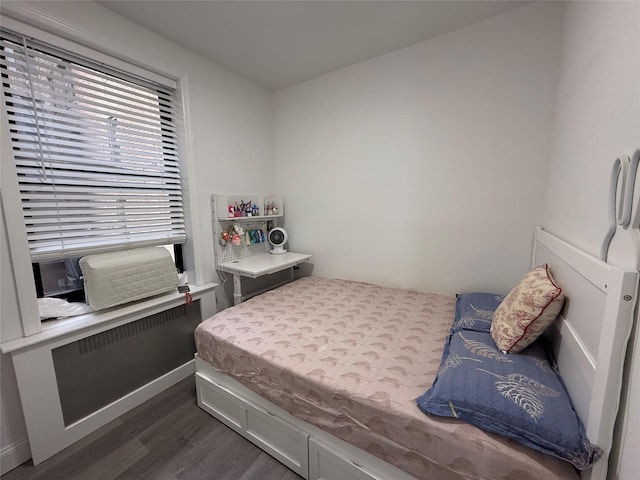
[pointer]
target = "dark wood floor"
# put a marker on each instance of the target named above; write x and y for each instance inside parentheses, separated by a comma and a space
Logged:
(167, 437)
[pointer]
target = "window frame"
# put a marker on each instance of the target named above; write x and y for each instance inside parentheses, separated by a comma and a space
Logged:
(83, 190)
(74, 38)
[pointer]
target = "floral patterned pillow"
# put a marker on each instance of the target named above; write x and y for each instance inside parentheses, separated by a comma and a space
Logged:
(527, 310)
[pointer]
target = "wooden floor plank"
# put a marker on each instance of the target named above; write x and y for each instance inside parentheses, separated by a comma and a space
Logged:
(178, 432)
(190, 462)
(263, 468)
(111, 466)
(230, 451)
(166, 438)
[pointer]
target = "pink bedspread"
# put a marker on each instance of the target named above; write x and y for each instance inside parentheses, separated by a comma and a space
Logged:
(351, 358)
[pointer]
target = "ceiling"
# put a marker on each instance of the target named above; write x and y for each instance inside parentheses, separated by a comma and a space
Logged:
(280, 43)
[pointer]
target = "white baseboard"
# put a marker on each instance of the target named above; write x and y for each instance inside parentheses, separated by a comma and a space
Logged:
(14, 455)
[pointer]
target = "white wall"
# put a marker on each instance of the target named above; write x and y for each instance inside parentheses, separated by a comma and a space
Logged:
(423, 168)
(13, 432)
(228, 147)
(597, 118)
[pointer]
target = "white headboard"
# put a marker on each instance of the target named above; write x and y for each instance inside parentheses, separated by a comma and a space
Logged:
(590, 337)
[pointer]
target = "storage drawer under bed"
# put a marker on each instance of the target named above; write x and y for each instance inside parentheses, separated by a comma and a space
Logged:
(308, 451)
(325, 463)
(279, 438)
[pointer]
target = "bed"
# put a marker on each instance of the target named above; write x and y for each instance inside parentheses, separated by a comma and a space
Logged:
(323, 374)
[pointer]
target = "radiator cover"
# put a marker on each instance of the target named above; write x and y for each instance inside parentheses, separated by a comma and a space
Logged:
(97, 370)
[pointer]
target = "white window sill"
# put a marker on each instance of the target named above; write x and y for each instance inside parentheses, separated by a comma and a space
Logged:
(59, 331)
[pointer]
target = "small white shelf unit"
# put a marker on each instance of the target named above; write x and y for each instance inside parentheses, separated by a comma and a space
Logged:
(222, 202)
(250, 257)
(227, 252)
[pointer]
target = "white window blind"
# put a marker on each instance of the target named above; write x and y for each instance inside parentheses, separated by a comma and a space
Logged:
(95, 151)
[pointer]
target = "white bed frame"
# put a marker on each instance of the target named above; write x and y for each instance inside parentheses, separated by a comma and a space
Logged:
(589, 341)
(590, 337)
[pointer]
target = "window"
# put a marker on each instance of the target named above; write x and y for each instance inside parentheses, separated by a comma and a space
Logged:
(63, 278)
(96, 156)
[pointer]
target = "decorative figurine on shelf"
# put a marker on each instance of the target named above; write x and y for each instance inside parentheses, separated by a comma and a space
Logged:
(270, 208)
(239, 210)
(247, 209)
(230, 213)
(234, 235)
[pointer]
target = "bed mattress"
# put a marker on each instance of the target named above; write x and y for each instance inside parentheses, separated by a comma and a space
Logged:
(351, 358)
